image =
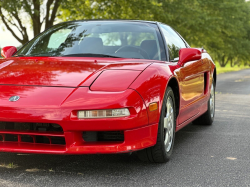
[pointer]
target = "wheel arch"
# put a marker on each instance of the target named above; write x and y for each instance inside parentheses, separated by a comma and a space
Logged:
(173, 83)
(152, 85)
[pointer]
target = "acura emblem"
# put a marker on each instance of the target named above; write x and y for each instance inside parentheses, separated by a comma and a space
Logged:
(14, 98)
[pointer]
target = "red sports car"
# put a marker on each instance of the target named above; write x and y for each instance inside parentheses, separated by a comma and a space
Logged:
(90, 87)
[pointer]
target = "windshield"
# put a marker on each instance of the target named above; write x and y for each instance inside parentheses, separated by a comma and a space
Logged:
(118, 39)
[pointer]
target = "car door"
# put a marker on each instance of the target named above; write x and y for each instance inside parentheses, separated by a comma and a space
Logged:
(190, 77)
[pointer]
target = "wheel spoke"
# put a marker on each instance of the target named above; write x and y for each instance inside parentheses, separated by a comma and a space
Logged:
(165, 122)
(171, 130)
(169, 124)
(211, 101)
(166, 138)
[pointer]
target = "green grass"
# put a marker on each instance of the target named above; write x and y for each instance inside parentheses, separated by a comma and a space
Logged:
(10, 165)
(228, 68)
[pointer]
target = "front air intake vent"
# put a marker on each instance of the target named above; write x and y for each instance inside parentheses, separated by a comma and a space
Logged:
(103, 136)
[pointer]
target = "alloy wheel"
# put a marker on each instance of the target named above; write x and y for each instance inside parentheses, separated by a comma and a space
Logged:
(169, 125)
(212, 99)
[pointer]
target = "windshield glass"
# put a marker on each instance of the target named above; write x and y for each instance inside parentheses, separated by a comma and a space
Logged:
(118, 39)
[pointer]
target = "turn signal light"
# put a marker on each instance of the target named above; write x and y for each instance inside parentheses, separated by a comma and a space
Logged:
(110, 113)
(153, 106)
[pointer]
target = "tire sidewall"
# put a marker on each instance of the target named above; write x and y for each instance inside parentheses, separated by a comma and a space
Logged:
(169, 92)
(208, 107)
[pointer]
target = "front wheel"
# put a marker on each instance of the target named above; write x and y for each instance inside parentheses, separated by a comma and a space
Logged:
(163, 148)
(208, 117)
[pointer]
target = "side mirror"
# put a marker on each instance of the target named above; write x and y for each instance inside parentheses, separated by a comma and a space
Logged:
(8, 51)
(189, 54)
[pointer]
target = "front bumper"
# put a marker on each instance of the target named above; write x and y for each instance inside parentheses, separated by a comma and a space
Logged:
(33, 107)
(135, 139)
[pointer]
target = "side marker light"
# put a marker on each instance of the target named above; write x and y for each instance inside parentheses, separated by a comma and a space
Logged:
(153, 106)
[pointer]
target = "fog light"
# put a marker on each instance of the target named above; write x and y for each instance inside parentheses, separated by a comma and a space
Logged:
(110, 113)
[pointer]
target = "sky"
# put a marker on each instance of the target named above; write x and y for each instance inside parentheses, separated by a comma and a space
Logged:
(6, 38)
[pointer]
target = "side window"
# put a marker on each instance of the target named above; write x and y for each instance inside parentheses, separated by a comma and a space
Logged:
(174, 42)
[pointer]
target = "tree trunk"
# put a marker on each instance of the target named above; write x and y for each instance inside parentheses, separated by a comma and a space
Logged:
(231, 62)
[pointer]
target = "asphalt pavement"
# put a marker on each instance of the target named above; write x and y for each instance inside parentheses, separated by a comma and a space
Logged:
(216, 155)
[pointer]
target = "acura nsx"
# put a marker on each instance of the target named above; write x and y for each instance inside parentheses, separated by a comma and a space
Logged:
(104, 86)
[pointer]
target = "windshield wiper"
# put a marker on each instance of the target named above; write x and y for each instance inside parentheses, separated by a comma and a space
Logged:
(90, 55)
(36, 55)
(21, 55)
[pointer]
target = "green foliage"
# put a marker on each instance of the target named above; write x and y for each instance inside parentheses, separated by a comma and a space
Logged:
(227, 37)
(111, 9)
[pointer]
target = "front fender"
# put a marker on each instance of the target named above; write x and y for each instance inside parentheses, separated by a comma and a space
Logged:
(152, 84)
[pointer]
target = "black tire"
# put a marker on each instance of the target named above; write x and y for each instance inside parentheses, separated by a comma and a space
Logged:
(159, 153)
(208, 117)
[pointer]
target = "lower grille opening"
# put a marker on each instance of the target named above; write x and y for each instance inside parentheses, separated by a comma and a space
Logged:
(58, 140)
(30, 126)
(42, 139)
(103, 136)
(11, 138)
(26, 138)
(46, 133)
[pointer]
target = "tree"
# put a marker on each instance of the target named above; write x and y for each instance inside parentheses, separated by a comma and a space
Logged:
(228, 40)
(110, 9)
(17, 13)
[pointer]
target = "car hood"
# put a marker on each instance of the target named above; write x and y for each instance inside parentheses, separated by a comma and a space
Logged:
(61, 71)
